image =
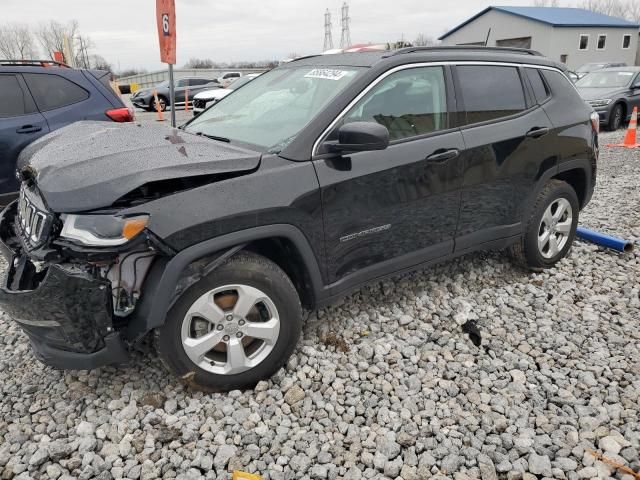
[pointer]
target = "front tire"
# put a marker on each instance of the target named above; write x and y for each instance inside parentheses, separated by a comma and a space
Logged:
(551, 228)
(616, 119)
(234, 327)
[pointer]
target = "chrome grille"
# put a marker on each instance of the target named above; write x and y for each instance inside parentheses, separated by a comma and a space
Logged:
(33, 222)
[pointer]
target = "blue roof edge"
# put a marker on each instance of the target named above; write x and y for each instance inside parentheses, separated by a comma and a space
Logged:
(505, 10)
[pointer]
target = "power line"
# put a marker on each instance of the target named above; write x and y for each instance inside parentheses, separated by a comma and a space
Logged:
(328, 37)
(345, 39)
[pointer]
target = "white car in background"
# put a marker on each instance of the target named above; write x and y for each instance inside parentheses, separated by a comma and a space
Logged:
(207, 98)
(227, 78)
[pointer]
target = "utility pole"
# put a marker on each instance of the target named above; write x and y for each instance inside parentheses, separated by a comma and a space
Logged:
(328, 37)
(345, 39)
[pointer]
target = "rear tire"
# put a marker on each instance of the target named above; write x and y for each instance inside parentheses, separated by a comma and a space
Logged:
(551, 228)
(234, 327)
(616, 118)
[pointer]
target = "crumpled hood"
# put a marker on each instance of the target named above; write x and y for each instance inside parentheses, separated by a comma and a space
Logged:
(90, 165)
(599, 93)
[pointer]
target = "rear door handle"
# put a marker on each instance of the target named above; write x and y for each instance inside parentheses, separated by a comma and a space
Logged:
(443, 155)
(537, 132)
(28, 129)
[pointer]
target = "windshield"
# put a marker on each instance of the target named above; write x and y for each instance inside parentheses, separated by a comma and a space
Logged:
(605, 80)
(589, 67)
(162, 84)
(270, 111)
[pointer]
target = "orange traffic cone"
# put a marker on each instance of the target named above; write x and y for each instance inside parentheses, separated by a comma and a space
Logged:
(160, 116)
(630, 139)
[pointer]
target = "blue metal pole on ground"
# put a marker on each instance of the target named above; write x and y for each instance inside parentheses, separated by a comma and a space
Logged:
(608, 241)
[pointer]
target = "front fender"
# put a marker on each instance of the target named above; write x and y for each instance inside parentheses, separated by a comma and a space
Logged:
(160, 286)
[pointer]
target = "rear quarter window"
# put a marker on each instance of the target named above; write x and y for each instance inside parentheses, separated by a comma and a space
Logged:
(490, 92)
(52, 91)
(540, 89)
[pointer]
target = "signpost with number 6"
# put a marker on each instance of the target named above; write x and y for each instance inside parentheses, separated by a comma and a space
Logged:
(166, 20)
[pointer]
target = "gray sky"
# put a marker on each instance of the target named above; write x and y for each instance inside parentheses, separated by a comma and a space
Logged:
(124, 31)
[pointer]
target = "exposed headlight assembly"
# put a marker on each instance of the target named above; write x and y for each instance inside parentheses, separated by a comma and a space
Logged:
(102, 230)
(602, 102)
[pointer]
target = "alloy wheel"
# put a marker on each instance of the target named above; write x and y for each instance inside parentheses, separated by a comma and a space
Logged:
(555, 228)
(230, 329)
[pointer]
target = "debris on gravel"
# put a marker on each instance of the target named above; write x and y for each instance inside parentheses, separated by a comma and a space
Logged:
(408, 395)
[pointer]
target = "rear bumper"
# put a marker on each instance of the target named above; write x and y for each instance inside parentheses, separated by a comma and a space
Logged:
(65, 312)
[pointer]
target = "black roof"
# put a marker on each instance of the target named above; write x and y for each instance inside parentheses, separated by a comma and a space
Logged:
(427, 54)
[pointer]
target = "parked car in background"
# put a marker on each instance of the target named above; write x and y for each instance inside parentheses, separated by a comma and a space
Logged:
(308, 182)
(208, 97)
(38, 97)
(144, 98)
(613, 93)
(226, 78)
(594, 67)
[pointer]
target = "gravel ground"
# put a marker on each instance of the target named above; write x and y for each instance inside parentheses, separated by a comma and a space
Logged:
(384, 384)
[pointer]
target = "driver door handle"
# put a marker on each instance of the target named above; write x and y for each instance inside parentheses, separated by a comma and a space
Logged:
(537, 132)
(28, 129)
(441, 156)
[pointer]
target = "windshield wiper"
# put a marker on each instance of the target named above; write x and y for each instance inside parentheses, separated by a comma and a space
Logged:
(213, 137)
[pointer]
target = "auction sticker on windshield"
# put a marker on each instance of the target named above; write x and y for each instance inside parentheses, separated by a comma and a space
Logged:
(326, 73)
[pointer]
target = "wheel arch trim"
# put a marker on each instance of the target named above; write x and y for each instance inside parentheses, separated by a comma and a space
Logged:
(160, 285)
(565, 166)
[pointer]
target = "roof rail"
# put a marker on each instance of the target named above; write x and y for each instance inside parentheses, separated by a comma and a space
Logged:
(479, 48)
(31, 63)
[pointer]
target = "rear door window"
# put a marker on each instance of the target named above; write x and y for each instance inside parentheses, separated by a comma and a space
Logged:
(540, 89)
(409, 103)
(490, 92)
(13, 101)
(53, 91)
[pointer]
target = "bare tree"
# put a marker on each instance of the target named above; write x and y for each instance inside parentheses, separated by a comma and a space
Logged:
(633, 10)
(81, 46)
(423, 40)
(16, 42)
(100, 63)
(546, 3)
(52, 36)
(199, 63)
(615, 8)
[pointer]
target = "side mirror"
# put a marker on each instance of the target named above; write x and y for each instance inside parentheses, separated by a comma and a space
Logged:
(360, 137)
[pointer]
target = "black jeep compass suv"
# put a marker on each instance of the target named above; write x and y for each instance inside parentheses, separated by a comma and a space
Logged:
(317, 177)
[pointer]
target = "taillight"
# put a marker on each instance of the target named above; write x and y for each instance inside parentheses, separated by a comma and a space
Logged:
(595, 122)
(120, 114)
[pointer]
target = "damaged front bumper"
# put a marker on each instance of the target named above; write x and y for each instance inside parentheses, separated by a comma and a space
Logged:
(66, 312)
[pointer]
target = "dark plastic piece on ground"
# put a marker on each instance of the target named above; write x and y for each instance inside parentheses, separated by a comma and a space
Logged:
(614, 243)
(471, 328)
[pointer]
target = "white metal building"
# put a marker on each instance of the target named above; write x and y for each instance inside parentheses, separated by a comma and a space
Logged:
(574, 36)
